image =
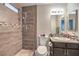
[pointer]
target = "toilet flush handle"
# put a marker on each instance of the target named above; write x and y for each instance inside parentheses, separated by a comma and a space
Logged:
(50, 44)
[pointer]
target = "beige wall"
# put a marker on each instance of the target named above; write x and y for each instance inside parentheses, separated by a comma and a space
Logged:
(78, 20)
(10, 37)
(43, 19)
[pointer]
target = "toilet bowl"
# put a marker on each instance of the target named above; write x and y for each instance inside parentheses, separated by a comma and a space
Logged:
(42, 51)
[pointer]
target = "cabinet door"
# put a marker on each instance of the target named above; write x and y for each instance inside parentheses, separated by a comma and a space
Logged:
(74, 46)
(71, 52)
(59, 52)
(60, 45)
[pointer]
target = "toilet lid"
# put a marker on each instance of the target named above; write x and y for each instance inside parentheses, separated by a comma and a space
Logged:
(42, 49)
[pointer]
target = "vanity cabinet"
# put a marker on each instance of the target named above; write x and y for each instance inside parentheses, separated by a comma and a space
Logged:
(64, 49)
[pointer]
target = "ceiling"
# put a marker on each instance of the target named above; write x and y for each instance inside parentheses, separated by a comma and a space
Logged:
(19, 5)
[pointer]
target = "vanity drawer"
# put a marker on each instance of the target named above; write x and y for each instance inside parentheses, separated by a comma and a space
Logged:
(59, 52)
(60, 45)
(73, 52)
(74, 46)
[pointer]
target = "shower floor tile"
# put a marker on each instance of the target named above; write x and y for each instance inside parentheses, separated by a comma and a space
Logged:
(24, 52)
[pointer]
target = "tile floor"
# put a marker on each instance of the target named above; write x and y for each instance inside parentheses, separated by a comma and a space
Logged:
(24, 52)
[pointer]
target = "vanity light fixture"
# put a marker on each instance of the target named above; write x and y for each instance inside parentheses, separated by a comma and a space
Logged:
(11, 7)
(72, 12)
(57, 11)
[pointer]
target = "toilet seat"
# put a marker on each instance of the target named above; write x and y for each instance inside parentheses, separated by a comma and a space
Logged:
(42, 50)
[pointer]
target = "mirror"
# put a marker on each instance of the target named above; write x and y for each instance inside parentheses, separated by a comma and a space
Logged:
(72, 20)
(72, 10)
(57, 18)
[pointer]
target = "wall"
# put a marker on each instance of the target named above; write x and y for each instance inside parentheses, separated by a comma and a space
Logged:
(29, 29)
(77, 21)
(10, 32)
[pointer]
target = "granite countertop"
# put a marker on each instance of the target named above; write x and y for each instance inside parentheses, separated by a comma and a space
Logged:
(63, 40)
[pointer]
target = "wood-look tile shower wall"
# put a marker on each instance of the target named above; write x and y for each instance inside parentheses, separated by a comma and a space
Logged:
(29, 24)
(10, 32)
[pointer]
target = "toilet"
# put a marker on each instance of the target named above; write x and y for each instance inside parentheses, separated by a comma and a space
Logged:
(42, 48)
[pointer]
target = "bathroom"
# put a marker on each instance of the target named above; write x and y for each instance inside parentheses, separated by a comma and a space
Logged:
(32, 29)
